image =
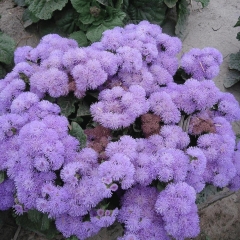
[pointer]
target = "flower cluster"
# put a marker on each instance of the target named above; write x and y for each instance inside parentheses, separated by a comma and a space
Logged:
(151, 144)
(119, 108)
(177, 206)
(202, 63)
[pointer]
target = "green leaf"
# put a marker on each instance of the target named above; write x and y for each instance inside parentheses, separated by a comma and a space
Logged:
(237, 138)
(170, 3)
(138, 10)
(29, 18)
(80, 37)
(237, 23)
(238, 36)
(203, 2)
(81, 6)
(89, 11)
(72, 238)
(233, 77)
(118, 4)
(34, 215)
(7, 47)
(65, 20)
(94, 94)
(67, 104)
(94, 33)
(103, 2)
(82, 27)
(43, 9)
(209, 190)
(234, 61)
(182, 16)
(3, 71)
(2, 176)
(45, 222)
(77, 132)
(83, 109)
(116, 17)
(20, 3)
(25, 222)
(48, 27)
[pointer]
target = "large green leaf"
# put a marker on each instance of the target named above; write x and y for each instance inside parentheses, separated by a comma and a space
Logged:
(37, 222)
(94, 33)
(65, 20)
(29, 18)
(170, 3)
(83, 109)
(103, 2)
(7, 46)
(118, 4)
(81, 6)
(116, 17)
(182, 16)
(77, 132)
(80, 37)
(152, 10)
(34, 215)
(234, 61)
(67, 104)
(49, 27)
(3, 71)
(89, 11)
(232, 77)
(203, 2)
(43, 9)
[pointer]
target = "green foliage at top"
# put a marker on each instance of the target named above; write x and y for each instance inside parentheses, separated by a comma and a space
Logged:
(233, 75)
(43, 9)
(7, 47)
(86, 20)
(36, 221)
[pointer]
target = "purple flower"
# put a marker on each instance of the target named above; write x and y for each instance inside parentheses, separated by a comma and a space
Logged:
(202, 64)
(23, 102)
(113, 39)
(176, 204)
(73, 57)
(169, 45)
(174, 137)
(131, 59)
(122, 110)
(21, 54)
(105, 220)
(7, 190)
(119, 168)
(51, 80)
(162, 105)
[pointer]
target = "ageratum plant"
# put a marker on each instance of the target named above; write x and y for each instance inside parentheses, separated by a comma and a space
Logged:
(86, 20)
(91, 136)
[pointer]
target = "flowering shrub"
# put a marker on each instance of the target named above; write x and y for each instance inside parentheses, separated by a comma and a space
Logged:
(94, 135)
(86, 20)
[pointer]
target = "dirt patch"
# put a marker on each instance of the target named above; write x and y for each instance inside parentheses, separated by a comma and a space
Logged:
(11, 23)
